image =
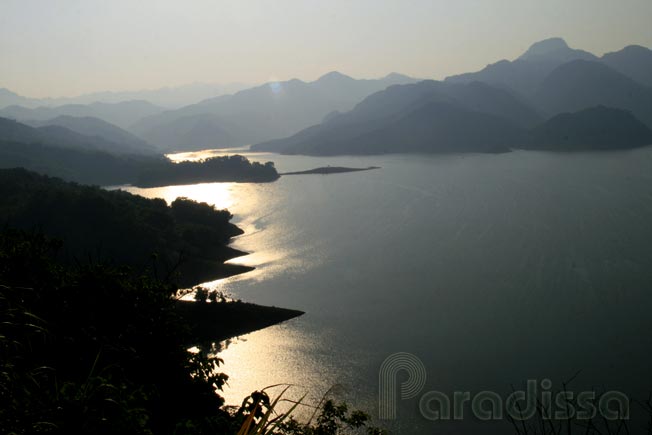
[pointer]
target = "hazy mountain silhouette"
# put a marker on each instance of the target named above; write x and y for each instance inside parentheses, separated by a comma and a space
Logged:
(9, 98)
(474, 96)
(591, 129)
(57, 151)
(169, 97)
(60, 152)
(634, 61)
(428, 116)
(582, 84)
(62, 137)
(95, 127)
(202, 131)
(264, 112)
(525, 74)
(432, 116)
(121, 114)
(487, 111)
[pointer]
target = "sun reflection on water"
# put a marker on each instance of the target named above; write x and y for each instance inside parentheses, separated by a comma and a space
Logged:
(194, 156)
(278, 354)
(218, 194)
(253, 208)
(267, 357)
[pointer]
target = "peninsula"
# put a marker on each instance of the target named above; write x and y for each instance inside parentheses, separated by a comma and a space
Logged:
(325, 170)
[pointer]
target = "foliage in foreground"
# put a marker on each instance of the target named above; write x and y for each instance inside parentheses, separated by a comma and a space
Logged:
(118, 227)
(96, 349)
(259, 415)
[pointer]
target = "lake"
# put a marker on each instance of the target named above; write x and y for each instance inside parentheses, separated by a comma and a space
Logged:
(491, 269)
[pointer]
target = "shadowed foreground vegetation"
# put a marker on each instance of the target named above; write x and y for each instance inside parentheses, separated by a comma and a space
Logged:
(186, 242)
(99, 349)
(93, 338)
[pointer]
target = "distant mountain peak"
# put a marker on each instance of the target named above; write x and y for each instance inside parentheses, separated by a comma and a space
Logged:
(634, 61)
(394, 76)
(6, 91)
(294, 81)
(545, 47)
(632, 50)
(554, 50)
(333, 76)
(636, 47)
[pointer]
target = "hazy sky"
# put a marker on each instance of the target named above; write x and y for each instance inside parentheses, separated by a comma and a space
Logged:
(68, 47)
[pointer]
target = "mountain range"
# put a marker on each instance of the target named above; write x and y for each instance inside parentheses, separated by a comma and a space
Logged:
(91, 151)
(58, 151)
(408, 117)
(506, 105)
(525, 74)
(168, 97)
(116, 140)
(268, 111)
(121, 114)
(86, 134)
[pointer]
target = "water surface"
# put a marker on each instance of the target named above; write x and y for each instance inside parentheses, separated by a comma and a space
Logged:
(492, 269)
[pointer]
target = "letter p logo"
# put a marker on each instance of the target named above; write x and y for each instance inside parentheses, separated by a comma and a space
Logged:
(387, 380)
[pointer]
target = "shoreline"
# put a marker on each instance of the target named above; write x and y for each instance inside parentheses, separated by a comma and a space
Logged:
(205, 272)
(219, 321)
(189, 182)
(198, 271)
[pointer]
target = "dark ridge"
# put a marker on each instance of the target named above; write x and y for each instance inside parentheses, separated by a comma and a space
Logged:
(596, 128)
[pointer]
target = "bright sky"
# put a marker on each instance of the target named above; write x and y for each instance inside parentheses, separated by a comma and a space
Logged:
(68, 47)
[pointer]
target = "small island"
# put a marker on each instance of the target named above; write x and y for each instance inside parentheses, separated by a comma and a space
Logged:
(216, 169)
(325, 170)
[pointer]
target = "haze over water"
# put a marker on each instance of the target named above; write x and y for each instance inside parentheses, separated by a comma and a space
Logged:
(492, 269)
